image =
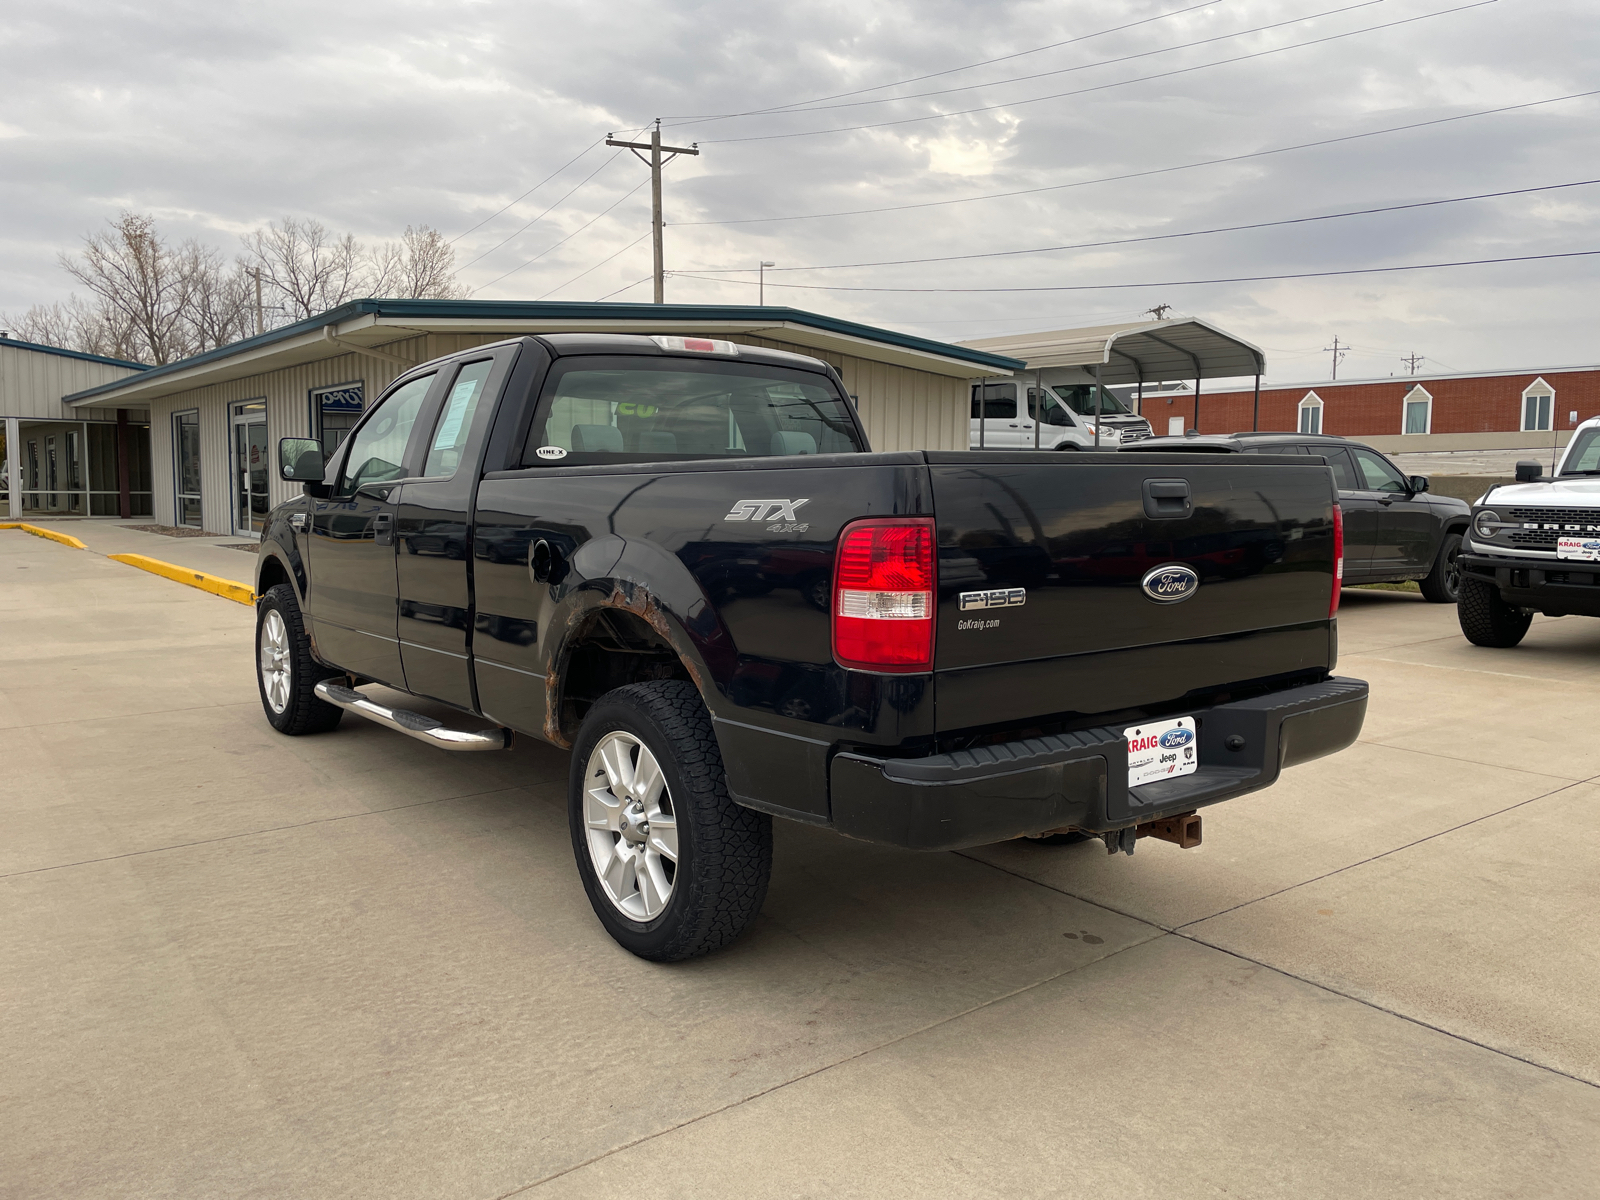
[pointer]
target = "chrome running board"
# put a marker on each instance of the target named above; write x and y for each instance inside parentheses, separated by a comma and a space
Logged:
(424, 729)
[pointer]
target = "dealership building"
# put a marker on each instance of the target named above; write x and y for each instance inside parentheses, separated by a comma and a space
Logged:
(213, 420)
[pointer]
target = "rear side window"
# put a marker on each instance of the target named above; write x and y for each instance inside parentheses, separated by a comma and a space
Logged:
(1344, 473)
(995, 401)
(455, 421)
(597, 410)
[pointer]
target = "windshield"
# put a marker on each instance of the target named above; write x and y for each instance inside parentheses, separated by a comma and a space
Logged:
(1080, 396)
(631, 409)
(1583, 456)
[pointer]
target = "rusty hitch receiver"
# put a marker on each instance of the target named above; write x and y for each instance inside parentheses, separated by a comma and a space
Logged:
(1182, 830)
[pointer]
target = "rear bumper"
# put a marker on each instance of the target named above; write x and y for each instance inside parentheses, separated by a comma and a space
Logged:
(1549, 585)
(974, 797)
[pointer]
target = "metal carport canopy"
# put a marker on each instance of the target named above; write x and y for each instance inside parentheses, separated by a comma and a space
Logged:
(1138, 352)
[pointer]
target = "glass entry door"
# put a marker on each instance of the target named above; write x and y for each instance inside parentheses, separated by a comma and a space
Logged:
(250, 457)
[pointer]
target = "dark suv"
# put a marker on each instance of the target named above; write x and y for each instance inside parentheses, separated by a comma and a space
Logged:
(1394, 529)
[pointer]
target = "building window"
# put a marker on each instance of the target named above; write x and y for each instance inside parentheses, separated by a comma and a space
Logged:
(186, 462)
(334, 413)
(1417, 411)
(1311, 413)
(1538, 399)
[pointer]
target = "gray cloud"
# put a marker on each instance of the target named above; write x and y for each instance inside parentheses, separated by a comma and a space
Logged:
(220, 118)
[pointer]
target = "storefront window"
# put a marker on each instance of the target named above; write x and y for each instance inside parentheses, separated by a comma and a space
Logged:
(186, 446)
(334, 413)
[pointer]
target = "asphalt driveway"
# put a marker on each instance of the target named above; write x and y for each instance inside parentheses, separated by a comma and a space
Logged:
(237, 964)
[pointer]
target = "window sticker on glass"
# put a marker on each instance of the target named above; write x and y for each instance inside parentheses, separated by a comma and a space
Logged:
(445, 454)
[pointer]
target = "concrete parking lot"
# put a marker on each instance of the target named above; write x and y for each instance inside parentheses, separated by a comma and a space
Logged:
(237, 964)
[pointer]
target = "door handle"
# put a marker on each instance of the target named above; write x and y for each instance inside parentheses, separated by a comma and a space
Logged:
(383, 529)
(1386, 500)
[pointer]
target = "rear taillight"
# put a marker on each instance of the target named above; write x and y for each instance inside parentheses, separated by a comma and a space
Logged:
(883, 595)
(1338, 557)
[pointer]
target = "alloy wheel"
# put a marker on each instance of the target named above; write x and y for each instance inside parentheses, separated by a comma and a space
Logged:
(631, 829)
(276, 677)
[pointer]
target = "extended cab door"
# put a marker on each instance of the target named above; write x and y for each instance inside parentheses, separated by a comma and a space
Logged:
(351, 597)
(434, 564)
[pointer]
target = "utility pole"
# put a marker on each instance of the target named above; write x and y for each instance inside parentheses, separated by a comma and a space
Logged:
(655, 162)
(1338, 352)
(1413, 361)
(1159, 312)
(260, 323)
(761, 291)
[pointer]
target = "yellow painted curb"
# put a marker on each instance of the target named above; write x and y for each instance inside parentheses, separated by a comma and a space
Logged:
(217, 586)
(37, 531)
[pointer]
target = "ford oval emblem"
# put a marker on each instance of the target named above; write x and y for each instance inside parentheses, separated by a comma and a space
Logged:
(1173, 738)
(1171, 583)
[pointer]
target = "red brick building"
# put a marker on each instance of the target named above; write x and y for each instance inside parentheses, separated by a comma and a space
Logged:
(1498, 401)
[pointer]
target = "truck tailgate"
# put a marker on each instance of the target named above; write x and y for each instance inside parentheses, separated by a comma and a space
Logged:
(1079, 534)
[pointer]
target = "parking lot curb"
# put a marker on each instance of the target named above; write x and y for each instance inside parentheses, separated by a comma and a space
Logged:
(228, 589)
(64, 538)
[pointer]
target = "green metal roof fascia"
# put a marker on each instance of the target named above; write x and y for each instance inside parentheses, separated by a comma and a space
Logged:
(18, 344)
(555, 310)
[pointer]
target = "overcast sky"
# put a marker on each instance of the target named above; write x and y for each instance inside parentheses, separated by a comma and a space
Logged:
(217, 118)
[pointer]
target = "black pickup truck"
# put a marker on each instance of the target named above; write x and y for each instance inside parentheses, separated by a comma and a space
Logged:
(679, 558)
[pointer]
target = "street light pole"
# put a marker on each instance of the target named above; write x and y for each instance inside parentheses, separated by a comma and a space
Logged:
(762, 288)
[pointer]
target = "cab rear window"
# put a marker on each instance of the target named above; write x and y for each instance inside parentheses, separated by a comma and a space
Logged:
(599, 410)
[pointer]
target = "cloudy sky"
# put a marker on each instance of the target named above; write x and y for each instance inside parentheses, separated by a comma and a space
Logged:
(914, 121)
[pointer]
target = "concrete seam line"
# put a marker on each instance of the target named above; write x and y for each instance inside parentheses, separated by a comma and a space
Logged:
(1393, 1012)
(38, 531)
(228, 589)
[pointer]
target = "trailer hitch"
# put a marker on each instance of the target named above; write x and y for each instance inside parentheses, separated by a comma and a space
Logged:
(1182, 831)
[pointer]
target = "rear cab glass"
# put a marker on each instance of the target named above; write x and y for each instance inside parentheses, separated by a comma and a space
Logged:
(606, 409)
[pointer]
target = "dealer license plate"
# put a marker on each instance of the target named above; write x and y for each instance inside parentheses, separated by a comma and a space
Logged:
(1163, 750)
(1582, 549)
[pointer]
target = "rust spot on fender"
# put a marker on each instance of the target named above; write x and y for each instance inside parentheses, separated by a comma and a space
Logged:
(629, 597)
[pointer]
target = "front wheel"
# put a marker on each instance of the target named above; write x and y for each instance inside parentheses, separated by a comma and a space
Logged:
(1488, 620)
(286, 673)
(673, 867)
(1443, 584)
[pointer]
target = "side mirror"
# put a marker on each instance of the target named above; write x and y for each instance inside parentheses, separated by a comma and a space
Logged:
(300, 460)
(1528, 470)
(1419, 484)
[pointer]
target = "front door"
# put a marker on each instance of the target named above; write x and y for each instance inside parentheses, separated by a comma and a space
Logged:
(1405, 537)
(352, 599)
(250, 501)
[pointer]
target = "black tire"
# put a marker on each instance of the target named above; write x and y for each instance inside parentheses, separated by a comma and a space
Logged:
(1443, 584)
(719, 879)
(302, 712)
(1486, 619)
(1067, 446)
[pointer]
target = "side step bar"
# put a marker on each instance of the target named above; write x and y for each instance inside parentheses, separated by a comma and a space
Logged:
(424, 729)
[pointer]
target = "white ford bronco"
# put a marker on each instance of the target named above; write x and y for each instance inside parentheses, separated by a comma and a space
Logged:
(1534, 546)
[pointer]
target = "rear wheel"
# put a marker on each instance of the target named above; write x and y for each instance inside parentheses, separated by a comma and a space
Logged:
(673, 867)
(1486, 619)
(1443, 584)
(286, 673)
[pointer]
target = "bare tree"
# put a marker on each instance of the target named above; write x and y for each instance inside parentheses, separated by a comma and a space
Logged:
(417, 267)
(308, 269)
(74, 325)
(142, 283)
(221, 305)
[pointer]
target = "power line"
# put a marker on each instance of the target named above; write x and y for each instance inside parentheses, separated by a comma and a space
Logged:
(1160, 237)
(542, 215)
(530, 191)
(1104, 62)
(597, 265)
(1100, 287)
(564, 240)
(1209, 162)
(702, 118)
(628, 287)
(769, 137)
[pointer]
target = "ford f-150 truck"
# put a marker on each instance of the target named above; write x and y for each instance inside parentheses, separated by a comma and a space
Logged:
(679, 558)
(1534, 546)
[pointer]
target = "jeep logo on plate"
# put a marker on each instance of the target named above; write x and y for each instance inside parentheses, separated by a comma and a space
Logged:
(1171, 583)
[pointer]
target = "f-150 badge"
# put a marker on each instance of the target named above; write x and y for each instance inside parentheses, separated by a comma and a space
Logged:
(994, 598)
(764, 510)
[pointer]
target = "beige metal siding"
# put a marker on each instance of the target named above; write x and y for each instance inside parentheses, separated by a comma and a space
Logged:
(32, 383)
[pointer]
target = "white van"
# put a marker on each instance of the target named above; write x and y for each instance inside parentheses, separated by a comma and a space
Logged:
(999, 421)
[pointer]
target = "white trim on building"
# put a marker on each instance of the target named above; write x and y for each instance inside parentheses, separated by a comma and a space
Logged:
(1416, 411)
(1538, 406)
(1310, 418)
